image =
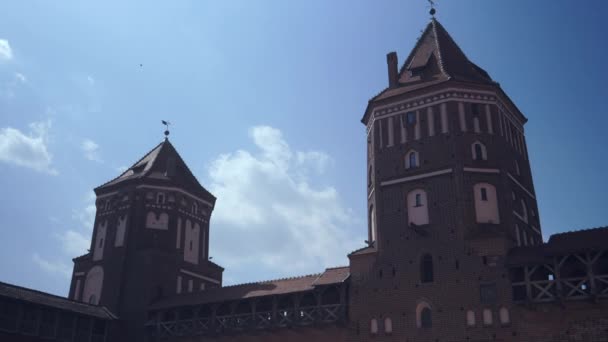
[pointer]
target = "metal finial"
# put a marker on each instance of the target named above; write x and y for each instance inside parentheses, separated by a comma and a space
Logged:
(166, 123)
(432, 11)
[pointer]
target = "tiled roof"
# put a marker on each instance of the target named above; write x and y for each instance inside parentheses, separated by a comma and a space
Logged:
(594, 239)
(47, 299)
(257, 289)
(440, 59)
(332, 276)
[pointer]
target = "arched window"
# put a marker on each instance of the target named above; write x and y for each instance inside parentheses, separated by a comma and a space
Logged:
(426, 268)
(487, 317)
(424, 317)
(373, 326)
(524, 210)
(388, 325)
(160, 198)
(93, 284)
(412, 160)
(417, 208)
(486, 203)
(517, 235)
(504, 316)
(471, 318)
(194, 208)
(479, 151)
(517, 172)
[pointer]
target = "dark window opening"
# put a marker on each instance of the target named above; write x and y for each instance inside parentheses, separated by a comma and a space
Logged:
(190, 244)
(426, 320)
(411, 118)
(475, 109)
(101, 243)
(488, 293)
(418, 200)
(478, 152)
(484, 194)
(413, 160)
(426, 269)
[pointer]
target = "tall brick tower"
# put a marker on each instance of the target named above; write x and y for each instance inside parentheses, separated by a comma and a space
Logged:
(150, 239)
(449, 192)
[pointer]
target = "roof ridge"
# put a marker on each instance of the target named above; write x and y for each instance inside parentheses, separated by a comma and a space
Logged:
(336, 267)
(273, 280)
(129, 168)
(440, 57)
(579, 230)
(50, 294)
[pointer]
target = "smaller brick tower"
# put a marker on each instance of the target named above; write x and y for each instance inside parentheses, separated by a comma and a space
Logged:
(150, 239)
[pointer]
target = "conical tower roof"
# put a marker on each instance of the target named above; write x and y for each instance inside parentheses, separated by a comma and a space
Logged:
(160, 166)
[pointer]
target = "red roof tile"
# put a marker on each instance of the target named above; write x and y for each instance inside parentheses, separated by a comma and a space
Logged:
(257, 289)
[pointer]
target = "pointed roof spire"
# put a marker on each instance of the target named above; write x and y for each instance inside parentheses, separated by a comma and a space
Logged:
(435, 58)
(162, 166)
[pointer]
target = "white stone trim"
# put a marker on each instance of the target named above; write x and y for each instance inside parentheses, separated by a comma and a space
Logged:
(196, 275)
(521, 186)
(535, 229)
(519, 216)
(431, 121)
(416, 177)
(173, 189)
(444, 118)
(479, 170)
(107, 195)
(391, 133)
(442, 96)
(371, 193)
(489, 119)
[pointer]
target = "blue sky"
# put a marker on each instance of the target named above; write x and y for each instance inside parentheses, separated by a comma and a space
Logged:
(270, 91)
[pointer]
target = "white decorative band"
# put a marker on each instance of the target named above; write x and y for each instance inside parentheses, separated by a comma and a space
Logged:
(519, 216)
(416, 177)
(200, 276)
(521, 186)
(174, 189)
(474, 169)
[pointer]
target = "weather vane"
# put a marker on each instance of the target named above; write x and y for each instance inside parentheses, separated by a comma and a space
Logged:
(432, 11)
(166, 123)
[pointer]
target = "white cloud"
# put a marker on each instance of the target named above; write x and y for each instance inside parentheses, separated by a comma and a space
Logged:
(269, 217)
(20, 77)
(53, 267)
(86, 216)
(6, 53)
(315, 160)
(74, 243)
(27, 150)
(91, 80)
(91, 150)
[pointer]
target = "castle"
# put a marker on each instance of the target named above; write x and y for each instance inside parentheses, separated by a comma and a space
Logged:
(454, 250)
